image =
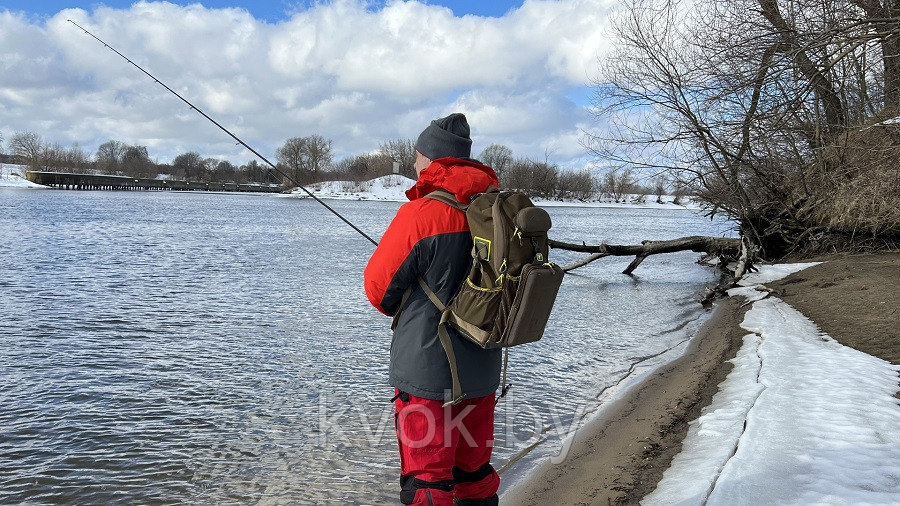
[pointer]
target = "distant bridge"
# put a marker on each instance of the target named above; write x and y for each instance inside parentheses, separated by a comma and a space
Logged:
(68, 181)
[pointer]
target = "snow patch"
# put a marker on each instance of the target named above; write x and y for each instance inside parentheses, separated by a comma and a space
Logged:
(800, 419)
(11, 177)
(769, 273)
(391, 188)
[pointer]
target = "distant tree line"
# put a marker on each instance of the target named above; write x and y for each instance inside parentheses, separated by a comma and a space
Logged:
(310, 159)
(117, 158)
(544, 179)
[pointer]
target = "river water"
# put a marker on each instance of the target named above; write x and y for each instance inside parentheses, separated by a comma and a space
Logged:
(201, 348)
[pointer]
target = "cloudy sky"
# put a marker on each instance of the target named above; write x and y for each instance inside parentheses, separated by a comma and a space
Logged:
(358, 72)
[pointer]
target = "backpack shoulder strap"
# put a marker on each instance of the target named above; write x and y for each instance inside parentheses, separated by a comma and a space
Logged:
(446, 343)
(447, 198)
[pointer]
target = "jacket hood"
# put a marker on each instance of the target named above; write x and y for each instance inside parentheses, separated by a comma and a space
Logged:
(462, 178)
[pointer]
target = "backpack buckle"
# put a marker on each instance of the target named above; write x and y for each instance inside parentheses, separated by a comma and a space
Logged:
(454, 402)
(503, 268)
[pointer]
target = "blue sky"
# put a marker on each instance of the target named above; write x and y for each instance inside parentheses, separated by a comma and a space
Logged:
(359, 72)
(271, 11)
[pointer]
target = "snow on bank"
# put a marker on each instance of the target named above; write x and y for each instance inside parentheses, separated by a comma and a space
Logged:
(393, 188)
(630, 202)
(801, 419)
(11, 177)
(390, 188)
(769, 273)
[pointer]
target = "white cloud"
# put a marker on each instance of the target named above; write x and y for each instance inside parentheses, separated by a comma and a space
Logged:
(356, 75)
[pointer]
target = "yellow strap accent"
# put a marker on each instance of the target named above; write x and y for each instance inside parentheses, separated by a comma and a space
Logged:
(502, 272)
(482, 289)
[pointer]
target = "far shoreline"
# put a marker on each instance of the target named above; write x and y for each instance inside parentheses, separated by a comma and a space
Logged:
(398, 198)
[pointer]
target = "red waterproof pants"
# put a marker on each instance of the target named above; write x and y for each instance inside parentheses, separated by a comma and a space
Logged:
(445, 452)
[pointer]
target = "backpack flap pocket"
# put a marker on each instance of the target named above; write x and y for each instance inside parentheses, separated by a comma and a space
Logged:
(532, 224)
(531, 308)
(533, 221)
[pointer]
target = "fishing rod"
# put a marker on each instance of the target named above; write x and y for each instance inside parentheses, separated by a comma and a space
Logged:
(235, 137)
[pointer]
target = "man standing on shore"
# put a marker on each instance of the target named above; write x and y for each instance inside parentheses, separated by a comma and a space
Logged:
(445, 451)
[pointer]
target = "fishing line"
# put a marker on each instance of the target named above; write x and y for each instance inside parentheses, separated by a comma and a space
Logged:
(235, 137)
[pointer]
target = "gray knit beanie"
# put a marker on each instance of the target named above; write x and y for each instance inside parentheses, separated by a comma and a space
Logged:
(447, 136)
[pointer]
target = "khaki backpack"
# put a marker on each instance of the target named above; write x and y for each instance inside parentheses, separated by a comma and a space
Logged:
(508, 295)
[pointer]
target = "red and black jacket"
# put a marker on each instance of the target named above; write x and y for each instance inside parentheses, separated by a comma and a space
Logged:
(430, 239)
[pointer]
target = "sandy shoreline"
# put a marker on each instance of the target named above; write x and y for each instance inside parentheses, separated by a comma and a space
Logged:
(620, 457)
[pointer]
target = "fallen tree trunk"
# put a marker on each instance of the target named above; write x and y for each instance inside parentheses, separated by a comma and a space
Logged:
(726, 249)
(714, 246)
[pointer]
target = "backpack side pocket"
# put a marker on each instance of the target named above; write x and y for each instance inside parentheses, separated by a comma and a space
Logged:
(473, 311)
(527, 319)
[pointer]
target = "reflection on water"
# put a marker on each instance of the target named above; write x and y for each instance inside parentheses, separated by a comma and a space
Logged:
(161, 347)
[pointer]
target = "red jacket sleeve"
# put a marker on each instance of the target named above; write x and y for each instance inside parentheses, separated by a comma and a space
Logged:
(394, 265)
(392, 252)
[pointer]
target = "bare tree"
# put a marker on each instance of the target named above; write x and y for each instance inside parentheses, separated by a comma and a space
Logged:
(304, 157)
(28, 148)
(319, 153)
(679, 191)
(53, 157)
(292, 156)
(224, 171)
(76, 158)
(544, 179)
(498, 157)
(538, 179)
(517, 176)
(188, 166)
(255, 172)
(752, 102)
(659, 188)
(402, 151)
(617, 183)
(31, 150)
(136, 162)
(578, 185)
(109, 156)
(365, 167)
